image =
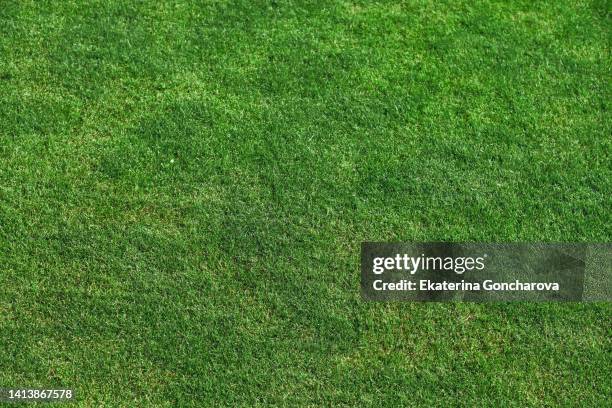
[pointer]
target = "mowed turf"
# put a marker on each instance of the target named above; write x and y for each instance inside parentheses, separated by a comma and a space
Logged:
(184, 187)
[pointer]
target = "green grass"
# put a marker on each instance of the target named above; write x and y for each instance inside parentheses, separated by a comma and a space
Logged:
(184, 187)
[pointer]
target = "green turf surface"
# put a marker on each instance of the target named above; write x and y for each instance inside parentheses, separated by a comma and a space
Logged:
(184, 187)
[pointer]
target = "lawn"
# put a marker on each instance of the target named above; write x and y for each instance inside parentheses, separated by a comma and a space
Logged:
(185, 186)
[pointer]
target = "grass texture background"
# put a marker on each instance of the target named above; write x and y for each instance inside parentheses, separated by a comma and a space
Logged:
(184, 187)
